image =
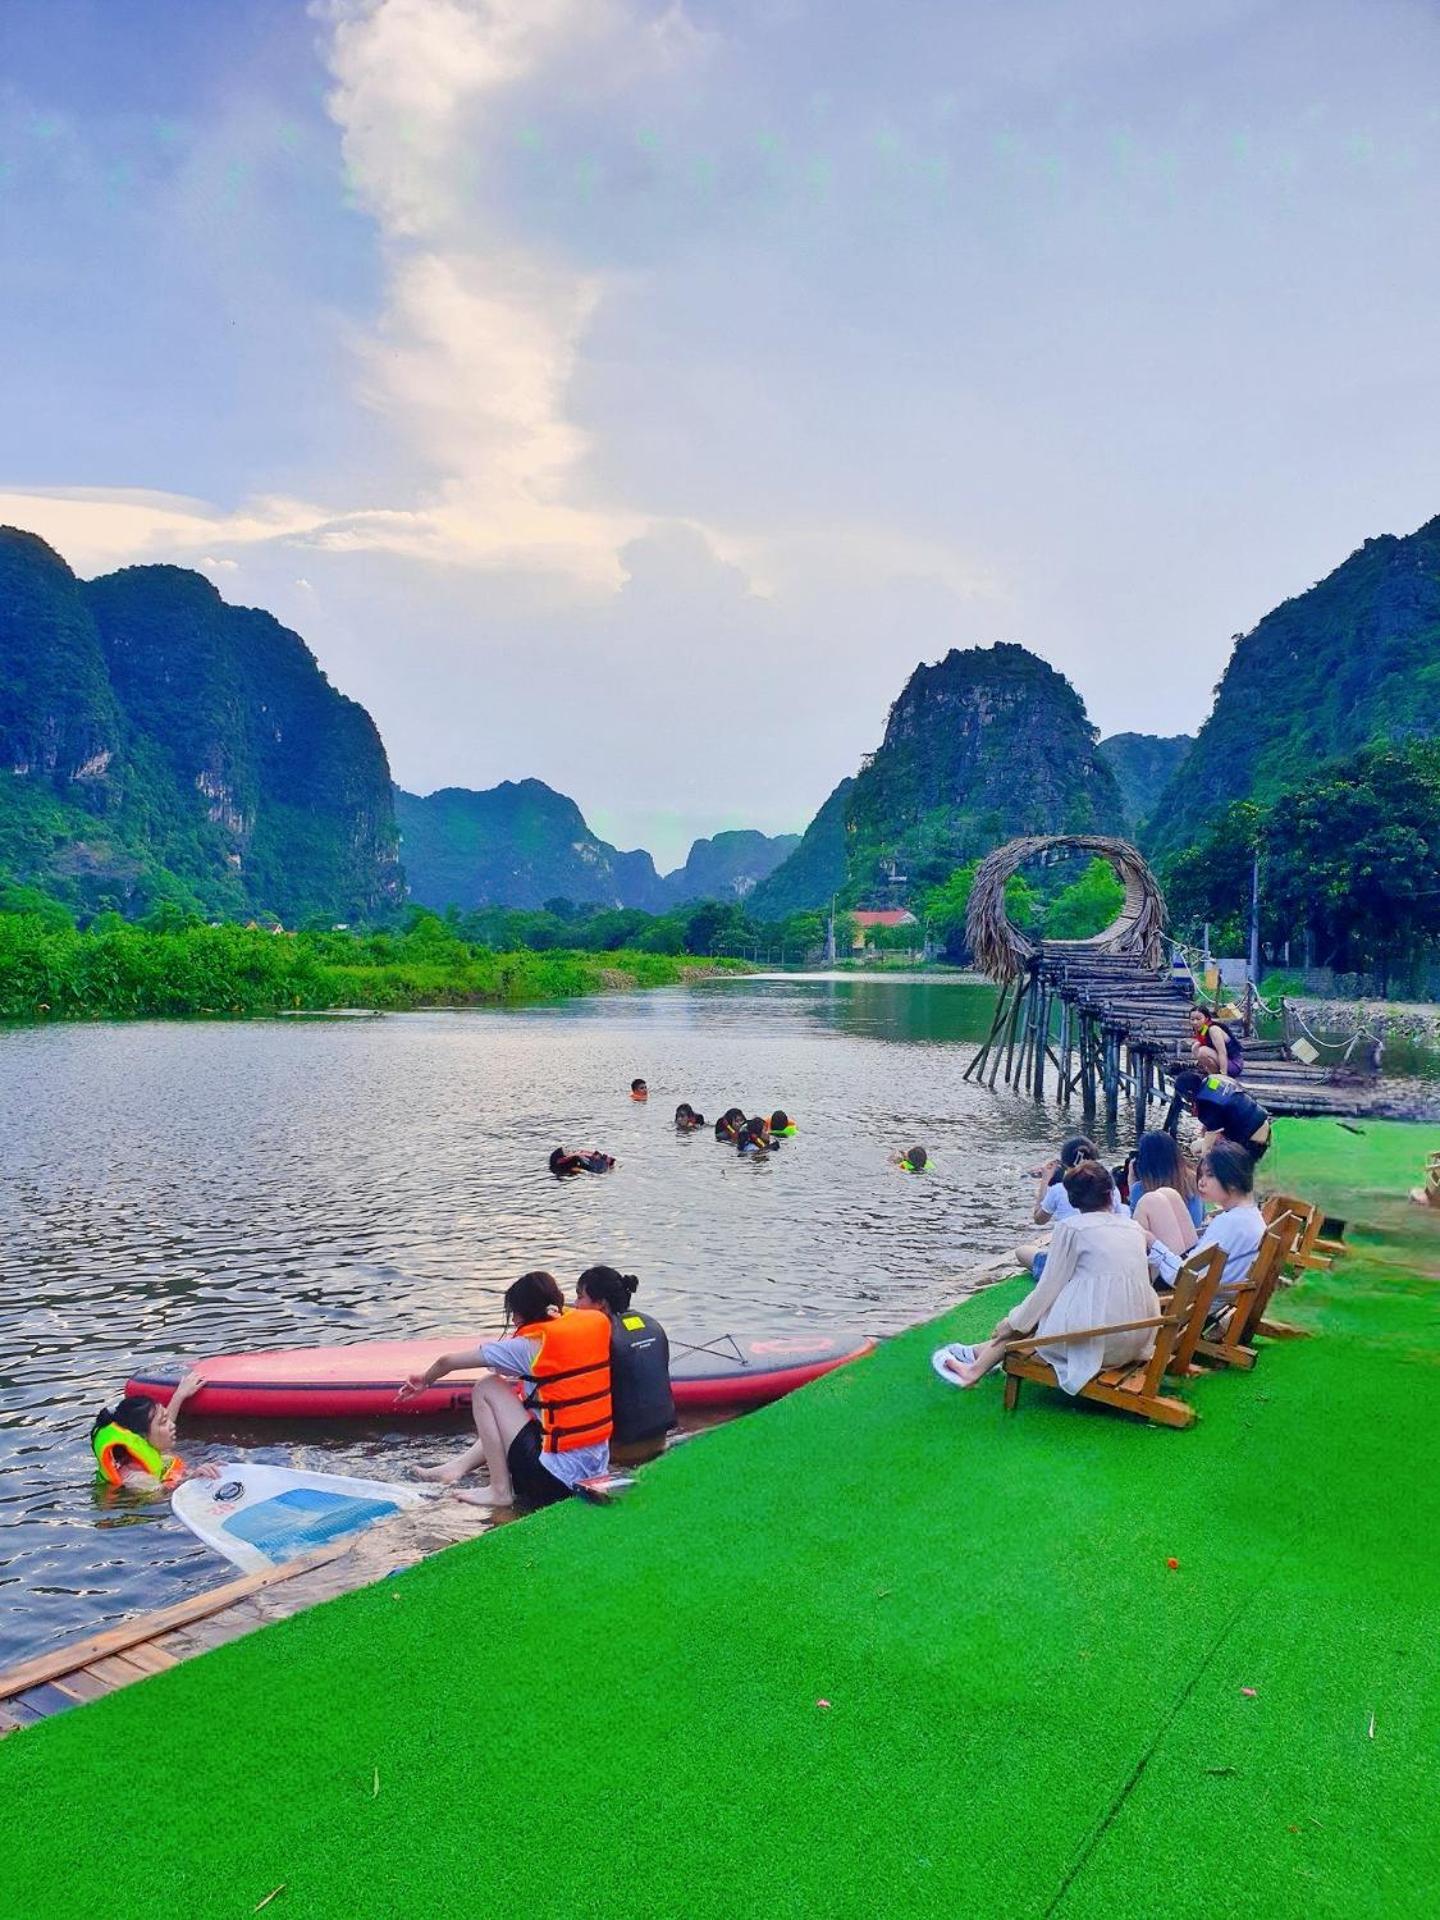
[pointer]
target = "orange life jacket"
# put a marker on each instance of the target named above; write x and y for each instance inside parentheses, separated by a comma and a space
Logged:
(571, 1379)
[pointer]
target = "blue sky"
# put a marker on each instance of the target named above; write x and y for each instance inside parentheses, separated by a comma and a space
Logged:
(631, 394)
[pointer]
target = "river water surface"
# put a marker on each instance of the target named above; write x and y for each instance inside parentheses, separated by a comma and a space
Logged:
(176, 1190)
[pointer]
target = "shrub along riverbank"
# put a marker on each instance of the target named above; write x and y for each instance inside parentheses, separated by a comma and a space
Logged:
(51, 971)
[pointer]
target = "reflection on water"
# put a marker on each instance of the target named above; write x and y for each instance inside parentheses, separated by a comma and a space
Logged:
(172, 1191)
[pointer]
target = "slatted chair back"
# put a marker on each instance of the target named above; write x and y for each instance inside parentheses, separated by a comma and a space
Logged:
(1304, 1255)
(1236, 1344)
(1201, 1272)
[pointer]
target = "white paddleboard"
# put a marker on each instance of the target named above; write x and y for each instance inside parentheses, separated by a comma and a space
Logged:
(260, 1517)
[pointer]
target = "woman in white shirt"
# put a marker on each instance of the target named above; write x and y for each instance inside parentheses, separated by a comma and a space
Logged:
(1227, 1181)
(1095, 1276)
(1051, 1202)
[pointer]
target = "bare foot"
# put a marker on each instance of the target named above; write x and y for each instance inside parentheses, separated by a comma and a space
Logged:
(485, 1497)
(445, 1476)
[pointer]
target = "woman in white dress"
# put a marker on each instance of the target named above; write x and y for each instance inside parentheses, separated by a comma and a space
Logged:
(1097, 1275)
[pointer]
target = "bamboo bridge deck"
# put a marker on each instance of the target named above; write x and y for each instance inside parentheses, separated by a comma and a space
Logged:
(1097, 1026)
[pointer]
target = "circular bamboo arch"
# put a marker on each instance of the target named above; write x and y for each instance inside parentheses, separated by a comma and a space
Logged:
(1001, 950)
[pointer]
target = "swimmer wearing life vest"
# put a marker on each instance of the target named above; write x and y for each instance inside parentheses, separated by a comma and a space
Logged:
(912, 1160)
(563, 1164)
(687, 1119)
(639, 1090)
(536, 1450)
(134, 1442)
(644, 1406)
(781, 1125)
(727, 1127)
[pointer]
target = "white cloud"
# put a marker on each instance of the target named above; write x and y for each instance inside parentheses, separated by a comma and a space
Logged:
(475, 351)
(213, 565)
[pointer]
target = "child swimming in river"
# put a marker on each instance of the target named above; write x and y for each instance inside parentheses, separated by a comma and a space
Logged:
(562, 1164)
(639, 1090)
(912, 1160)
(687, 1119)
(133, 1441)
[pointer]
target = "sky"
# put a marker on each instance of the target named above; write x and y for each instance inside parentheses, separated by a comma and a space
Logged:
(630, 394)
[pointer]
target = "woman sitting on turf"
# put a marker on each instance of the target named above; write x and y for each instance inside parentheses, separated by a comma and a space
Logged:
(1227, 1180)
(1096, 1276)
(1162, 1194)
(133, 1442)
(639, 1357)
(538, 1450)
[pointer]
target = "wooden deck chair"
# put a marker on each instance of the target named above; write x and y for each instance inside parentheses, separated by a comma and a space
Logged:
(1429, 1194)
(1305, 1255)
(1234, 1342)
(1137, 1388)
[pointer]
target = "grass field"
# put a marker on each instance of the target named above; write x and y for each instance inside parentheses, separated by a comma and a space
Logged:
(880, 1649)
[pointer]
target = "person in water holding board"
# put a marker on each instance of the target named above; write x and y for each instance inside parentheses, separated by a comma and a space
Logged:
(538, 1450)
(644, 1406)
(134, 1441)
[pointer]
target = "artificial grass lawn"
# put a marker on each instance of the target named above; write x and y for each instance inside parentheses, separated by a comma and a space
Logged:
(616, 1712)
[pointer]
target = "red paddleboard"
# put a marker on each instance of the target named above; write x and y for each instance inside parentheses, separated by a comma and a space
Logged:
(362, 1381)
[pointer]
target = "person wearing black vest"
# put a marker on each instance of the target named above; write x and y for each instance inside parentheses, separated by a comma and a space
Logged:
(639, 1357)
(1225, 1111)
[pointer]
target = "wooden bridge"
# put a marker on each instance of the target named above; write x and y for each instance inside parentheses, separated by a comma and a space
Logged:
(1104, 1019)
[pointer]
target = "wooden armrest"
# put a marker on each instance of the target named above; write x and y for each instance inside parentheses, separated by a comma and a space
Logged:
(1031, 1340)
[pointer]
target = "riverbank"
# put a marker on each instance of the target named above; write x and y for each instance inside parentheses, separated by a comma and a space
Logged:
(879, 1648)
(54, 972)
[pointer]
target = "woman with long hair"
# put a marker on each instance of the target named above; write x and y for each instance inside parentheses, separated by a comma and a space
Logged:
(538, 1449)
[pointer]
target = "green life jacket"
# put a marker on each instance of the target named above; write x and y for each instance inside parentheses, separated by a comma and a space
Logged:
(908, 1166)
(110, 1441)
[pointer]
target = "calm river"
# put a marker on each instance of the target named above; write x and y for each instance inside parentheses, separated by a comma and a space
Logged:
(171, 1191)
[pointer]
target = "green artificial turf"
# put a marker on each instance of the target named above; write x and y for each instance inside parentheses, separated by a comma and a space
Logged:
(616, 1712)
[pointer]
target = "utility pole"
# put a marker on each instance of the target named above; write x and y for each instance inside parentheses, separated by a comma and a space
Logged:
(829, 960)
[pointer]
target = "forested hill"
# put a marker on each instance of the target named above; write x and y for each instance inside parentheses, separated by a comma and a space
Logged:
(158, 744)
(729, 866)
(983, 745)
(1355, 659)
(521, 843)
(515, 845)
(1144, 764)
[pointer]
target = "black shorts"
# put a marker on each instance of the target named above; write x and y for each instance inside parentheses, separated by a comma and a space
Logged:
(534, 1484)
(1257, 1150)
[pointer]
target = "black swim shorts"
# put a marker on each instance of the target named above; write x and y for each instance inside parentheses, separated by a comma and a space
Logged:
(534, 1484)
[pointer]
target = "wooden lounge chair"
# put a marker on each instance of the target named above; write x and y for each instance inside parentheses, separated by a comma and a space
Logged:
(1306, 1254)
(1136, 1388)
(1233, 1344)
(1429, 1194)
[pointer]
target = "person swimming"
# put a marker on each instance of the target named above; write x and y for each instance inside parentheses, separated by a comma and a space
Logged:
(912, 1160)
(781, 1125)
(687, 1119)
(133, 1441)
(728, 1126)
(562, 1164)
(754, 1137)
(639, 1090)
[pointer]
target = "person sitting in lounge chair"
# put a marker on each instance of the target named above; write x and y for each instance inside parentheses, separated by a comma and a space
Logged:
(1227, 1181)
(1096, 1276)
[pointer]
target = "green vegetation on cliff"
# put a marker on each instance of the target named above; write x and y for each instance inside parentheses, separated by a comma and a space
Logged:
(979, 747)
(1353, 662)
(1143, 764)
(1349, 865)
(159, 745)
